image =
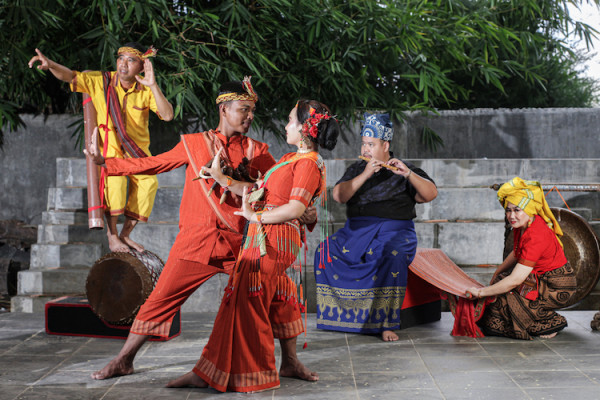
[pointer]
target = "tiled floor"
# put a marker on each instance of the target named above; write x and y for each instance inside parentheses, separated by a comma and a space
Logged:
(426, 363)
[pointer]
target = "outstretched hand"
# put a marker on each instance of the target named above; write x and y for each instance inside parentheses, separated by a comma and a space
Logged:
(148, 79)
(247, 211)
(42, 59)
(92, 150)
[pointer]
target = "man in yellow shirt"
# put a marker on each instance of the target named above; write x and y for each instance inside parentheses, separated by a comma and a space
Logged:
(122, 99)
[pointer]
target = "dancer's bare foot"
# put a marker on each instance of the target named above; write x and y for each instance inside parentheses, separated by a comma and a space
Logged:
(550, 336)
(389, 336)
(134, 245)
(116, 367)
(189, 379)
(293, 368)
(116, 245)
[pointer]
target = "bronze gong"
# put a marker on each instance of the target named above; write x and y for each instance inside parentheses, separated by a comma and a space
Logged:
(581, 249)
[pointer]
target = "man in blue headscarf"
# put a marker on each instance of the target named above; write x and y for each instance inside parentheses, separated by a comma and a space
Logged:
(361, 271)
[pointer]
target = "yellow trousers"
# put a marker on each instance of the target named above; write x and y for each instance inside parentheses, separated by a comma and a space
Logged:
(141, 191)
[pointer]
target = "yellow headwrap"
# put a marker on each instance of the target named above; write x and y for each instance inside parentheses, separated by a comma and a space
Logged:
(529, 197)
(151, 52)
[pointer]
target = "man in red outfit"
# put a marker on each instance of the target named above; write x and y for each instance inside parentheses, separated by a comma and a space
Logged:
(210, 234)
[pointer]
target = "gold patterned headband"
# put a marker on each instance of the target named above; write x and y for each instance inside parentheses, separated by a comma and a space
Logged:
(249, 95)
(151, 52)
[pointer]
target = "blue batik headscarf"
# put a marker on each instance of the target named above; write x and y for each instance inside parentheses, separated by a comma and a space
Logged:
(377, 126)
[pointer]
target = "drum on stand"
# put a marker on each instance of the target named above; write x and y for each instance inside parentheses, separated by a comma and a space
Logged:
(119, 283)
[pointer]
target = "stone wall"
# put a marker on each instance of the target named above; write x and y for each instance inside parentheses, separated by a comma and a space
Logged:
(28, 158)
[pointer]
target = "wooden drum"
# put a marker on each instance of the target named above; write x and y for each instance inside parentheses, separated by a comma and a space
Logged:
(119, 283)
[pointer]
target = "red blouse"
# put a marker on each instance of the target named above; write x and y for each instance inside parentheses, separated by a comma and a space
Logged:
(300, 180)
(538, 247)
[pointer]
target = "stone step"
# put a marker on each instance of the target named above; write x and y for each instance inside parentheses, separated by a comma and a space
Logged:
(57, 217)
(71, 172)
(468, 243)
(31, 304)
(52, 281)
(63, 234)
(485, 172)
(64, 255)
(67, 199)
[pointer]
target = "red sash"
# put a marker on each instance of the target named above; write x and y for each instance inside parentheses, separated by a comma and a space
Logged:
(113, 108)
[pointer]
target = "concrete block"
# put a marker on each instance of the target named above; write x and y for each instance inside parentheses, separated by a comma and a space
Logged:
(52, 281)
(64, 255)
(466, 204)
(58, 234)
(486, 172)
(67, 199)
(30, 304)
(54, 217)
(156, 237)
(174, 178)
(472, 243)
(71, 172)
(166, 205)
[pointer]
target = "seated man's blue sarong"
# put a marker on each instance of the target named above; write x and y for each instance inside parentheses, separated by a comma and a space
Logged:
(362, 288)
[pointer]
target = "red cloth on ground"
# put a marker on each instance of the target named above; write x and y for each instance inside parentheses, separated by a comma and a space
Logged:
(466, 314)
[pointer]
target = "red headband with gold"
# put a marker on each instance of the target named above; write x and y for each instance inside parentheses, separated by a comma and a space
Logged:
(249, 95)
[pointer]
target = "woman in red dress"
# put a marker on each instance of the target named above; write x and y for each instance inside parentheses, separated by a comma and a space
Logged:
(239, 355)
(535, 278)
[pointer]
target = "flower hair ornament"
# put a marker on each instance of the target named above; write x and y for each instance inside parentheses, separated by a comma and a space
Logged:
(310, 126)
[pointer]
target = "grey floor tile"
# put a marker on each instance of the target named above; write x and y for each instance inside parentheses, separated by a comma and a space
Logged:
(49, 393)
(579, 348)
(587, 393)
(535, 363)
(388, 364)
(393, 381)
(421, 394)
(445, 350)
(25, 370)
(10, 392)
(521, 349)
(473, 380)
(552, 379)
(441, 365)
(585, 363)
(512, 393)
(148, 394)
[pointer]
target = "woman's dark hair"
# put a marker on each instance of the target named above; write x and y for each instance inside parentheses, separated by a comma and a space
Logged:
(328, 129)
(136, 46)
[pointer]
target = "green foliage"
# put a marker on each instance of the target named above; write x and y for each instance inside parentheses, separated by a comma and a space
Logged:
(353, 55)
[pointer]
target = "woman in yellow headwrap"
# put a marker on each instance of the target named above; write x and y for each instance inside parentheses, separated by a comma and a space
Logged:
(535, 278)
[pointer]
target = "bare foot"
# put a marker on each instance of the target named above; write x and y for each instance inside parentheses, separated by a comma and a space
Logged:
(389, 336)
(550, 336)
(116, 245)
(189, 379)
(127, 240)
(114, 368)
(295, 369)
